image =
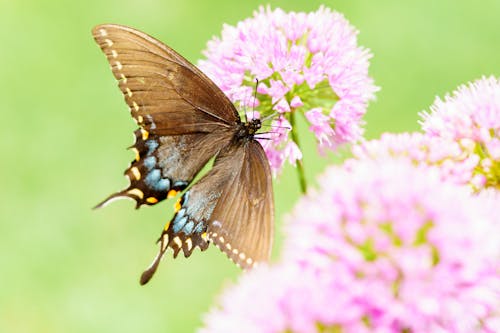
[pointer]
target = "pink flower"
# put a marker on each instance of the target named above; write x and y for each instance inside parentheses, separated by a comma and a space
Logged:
(304, 62)
(423, 255)
(380, 247)
(320, 124)
(455, 161)
(471, 114)
(277, 145)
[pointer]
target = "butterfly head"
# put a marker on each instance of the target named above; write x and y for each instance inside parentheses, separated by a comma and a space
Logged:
(248, 129)
(254, 125)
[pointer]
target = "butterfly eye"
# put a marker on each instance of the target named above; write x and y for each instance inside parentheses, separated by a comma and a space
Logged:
(257, 123)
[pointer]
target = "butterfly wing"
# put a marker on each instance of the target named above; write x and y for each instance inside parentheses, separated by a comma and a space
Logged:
(164, 165)
(167, 95)
(184, 118)
(232, 205)
(242, 223)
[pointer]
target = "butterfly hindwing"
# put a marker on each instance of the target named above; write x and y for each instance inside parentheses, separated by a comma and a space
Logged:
(165, 165)
(242, 223)
(167, 95)
(232, 205)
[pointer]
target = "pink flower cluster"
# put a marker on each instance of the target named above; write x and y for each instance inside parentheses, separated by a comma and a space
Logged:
(471, 115)
(307, 63)
(392, 241)
(380, 247)
(461, 137)
(455, 161)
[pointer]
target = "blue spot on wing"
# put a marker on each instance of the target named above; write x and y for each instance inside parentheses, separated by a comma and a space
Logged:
(180, 184)
(162, 185)
(199, 228)
(188, 228)
(152, 145)
(179, 223)
(150, 162)
(185, 198)
(153, 177)
(154, 181)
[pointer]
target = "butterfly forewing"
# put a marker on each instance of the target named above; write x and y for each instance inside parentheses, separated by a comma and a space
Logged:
(166, 94)
(185, 119)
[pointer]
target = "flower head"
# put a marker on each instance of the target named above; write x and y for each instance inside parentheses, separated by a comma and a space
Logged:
(455, 161)
(380, 247)
(417, 254)
(308, 63)
(471, 116)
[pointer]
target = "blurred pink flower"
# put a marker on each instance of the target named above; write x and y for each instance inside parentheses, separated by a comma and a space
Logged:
(471, 116)
(380, 247)
(455, 161)
(304, 63)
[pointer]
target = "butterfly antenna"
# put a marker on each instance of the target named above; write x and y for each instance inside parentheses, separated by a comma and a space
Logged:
(255, 97)
(275, 126)
(245, 109)
(264, 133)
(270, 116)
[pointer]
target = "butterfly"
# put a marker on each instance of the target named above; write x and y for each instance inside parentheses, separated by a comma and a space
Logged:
(184, 121)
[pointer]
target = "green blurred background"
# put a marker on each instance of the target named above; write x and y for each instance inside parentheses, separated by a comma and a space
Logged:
(67, 268)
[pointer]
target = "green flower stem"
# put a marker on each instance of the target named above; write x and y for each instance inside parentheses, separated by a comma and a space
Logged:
(300, 165)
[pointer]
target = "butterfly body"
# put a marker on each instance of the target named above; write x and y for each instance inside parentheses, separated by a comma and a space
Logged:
(185, 120)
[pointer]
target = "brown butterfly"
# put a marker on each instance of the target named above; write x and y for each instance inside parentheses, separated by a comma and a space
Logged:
(184, 120)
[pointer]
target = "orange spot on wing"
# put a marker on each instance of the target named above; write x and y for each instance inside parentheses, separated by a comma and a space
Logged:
(177, 205)
(152, 200)
(167, 225)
